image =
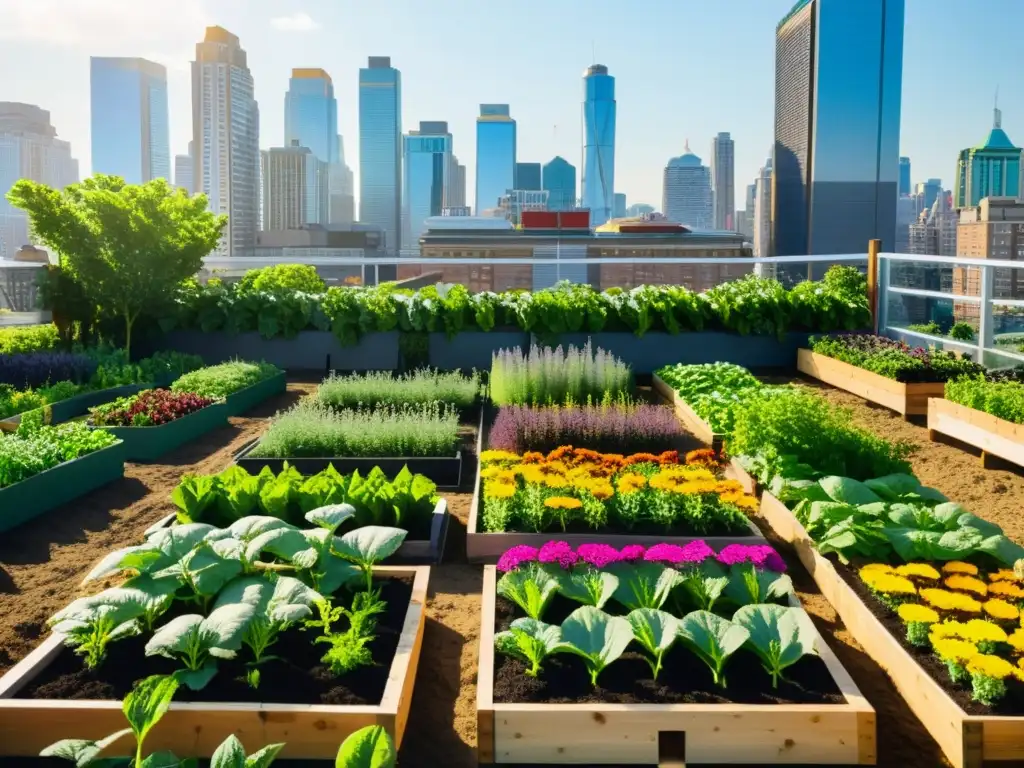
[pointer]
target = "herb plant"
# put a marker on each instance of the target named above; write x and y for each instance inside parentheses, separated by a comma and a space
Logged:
(544, 376)
(34, 449)
(218, 381)
(895, 359)
(150, 408)
(418, 388)
(1002, 399)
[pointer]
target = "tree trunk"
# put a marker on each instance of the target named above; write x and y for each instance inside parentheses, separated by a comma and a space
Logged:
(129, 321)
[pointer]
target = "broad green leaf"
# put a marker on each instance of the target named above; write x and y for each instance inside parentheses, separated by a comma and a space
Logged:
(779, 636)
(892, 487)
(587, 586)
(264, 757)
(148, 702)
(287, 543)
(645, 585)
(705, 587)
(599, 638)
(848, 491)
(230, 754)
(209, 570)
(138, 557)
(82, 752)
(193, 495)
(531, 641)
(224, 628)
(984, 527)
(248, 528)
(656, 631)
(748, 585)
(369, 747)
(370, 544)
(530, 587)
(332, 516)
(197, 679)
(1001, 548)
(165, 759)
(713, 639)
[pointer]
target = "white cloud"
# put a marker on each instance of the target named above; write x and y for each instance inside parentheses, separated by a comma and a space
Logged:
(297, 22)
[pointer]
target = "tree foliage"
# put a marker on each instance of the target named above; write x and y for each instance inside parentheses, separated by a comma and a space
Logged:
(129, 246)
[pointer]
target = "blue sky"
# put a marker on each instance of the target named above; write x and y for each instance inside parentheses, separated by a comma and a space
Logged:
(684, 69)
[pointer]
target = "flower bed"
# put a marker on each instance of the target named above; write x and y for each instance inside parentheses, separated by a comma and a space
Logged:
(240, 384)
(590, 655)
(256, 655)
(634, 499)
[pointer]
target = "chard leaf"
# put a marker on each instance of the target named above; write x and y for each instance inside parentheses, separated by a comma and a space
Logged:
(370, 544)
(597, 637)
(82, 752)
(369, 747)
(779, 636)
(531, 641)
(147, 703)
(530, 587)
(331, 517)
(846, 490)
(713, 639)
(656, 631)
(588, 586)
(645, 585)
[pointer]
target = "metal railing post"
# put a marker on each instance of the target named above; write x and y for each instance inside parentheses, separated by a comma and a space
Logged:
(986, 333)
(882, 298)
(874, 246)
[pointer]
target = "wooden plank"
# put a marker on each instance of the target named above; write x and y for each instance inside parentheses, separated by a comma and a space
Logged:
(905, 399)
(311, 731)
(991, 434)
(602, 734)
(965, 740)
(735, 471)
(700, 428)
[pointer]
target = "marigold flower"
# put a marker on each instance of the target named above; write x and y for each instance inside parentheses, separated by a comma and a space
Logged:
(494, 490)
(918, 570)
(1016, 639)
(601, 491)
(958, 566)
(1003, 574)
(967, 584)
(950, 601)
(888, 583)
(702, 456)
(884, 567)
(531, 457)
(491, 457)
(951, 649)
(1006, 589)
(915, 612)
(562, 502)
(990, 666)
(1000, 609)
(631, 483)
(974, 631)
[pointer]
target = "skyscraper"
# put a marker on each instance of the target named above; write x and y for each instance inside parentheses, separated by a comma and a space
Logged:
(620, 205)
(183, 168)
(341, 189)
(380, 149)
(558, 177)
(295, 188)
(762, 221)
(904, 176)
(456, 184)
(838, 83)
(528, 176)
(598, 143)
(130, 126)
(991, 169)
(427, 159)
(495, 155)
(311, 114)
(687, 195)
(29, 149)
(226, 137)
(723, 180)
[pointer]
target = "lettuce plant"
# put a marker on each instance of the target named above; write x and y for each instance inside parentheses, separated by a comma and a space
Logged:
(599, 639)
(645, 585)
(779, 636)
(530, 587)
(713, 639)
(531, 641)
(656, 631)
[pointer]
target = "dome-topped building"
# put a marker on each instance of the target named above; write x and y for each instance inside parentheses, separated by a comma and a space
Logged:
(991, 169)
(686, 196)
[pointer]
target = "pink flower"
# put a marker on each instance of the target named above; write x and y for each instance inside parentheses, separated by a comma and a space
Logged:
(558, 552)
(632, 552)
(758, 555)
(669, 554)
(598, 555)
(516, 556)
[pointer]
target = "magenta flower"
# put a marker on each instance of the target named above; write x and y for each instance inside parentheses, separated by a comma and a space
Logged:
(598, 555)
(513, 558)
(697, 552)
(669, 554)
(558, 552)
(758, 555)
(632, 552)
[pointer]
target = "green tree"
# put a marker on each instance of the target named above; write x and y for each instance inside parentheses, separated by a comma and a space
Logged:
(128, 245)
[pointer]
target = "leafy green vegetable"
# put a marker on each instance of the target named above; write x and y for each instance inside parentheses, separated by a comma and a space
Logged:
(750, 585)
(90, 624)
(369, 747)
(589, 586)
(712, 390)
(367, 546)
(530, 587)
(713, 639)
(198, 642)
(596, 637)
(779, 636)
(530, 640)
(645, 585)
(656, 631)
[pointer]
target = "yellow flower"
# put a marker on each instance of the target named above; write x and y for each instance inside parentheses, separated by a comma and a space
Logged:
(950, 601)
(1020, 662)
(958, 566)
(557, 481)
(990, 666)
(974, 631)
(1017, 641)
(601, 490)
(493, 490)
(493, 457)
(740, 499)
(950, 649)
(1000, 609)
(913, 612)
(1006, 589)
(1003, 574)
(631, 482)
(562, 502)
(877, 567)
(489, 472)
(967, 584)
(918, 570)
(888, 583)
(532, 474)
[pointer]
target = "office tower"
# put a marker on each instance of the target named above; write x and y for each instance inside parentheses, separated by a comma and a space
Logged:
(838, 82)
(723, 180)
(380, 149)
(427, 157)
(29, 149)
(750, 206)
(456, 184)
(226, 138)
(495, 155)
(906, 214)
(934, 232)
(340, 188)
(183, 168)
(558, 178)
(598, 143)
(311, 114)
(130, 126)
(991, 169)
(528, 176)
(295, 188)
(640, 209)
(762, 220)
(687, 197)
(992, 229)
(619, 205)
(904, 176)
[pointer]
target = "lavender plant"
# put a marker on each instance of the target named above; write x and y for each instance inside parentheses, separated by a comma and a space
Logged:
(384, 388)
(41, 368)
(545, 376)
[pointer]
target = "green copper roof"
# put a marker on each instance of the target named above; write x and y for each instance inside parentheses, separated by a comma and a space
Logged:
(996, 139)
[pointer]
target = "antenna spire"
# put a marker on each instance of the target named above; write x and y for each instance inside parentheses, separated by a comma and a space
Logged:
(997, 116)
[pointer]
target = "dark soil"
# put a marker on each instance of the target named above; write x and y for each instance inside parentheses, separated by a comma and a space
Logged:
(297, 677)
(684, 679)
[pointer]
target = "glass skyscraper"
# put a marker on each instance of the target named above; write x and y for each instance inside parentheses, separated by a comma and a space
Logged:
(528, 176)
(495, 155)
(427, 166)
(311, 114)
(130, 127)
(904, 176)
(380, 149)
(838, 83)
(991, 169)
(598, 143)
(558, 177)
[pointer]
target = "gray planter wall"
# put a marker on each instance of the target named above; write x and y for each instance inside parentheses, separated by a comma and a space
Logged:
(472, 349)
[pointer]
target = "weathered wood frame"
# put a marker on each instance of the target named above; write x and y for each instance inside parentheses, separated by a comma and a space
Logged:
(906, 399)
(700, 428)
(968, 741)
(994, 436)
(310, 731)
(603, 734)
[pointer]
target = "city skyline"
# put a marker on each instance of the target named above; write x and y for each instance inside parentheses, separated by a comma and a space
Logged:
(282, 36)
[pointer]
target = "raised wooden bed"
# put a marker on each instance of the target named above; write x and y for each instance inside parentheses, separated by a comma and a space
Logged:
(735, 471)
(994, 436)
(906, 399)
(58, 485)
(150, 443)
(73, 407)
(310, 731)
(700, 428)
(968, 741)
(668, 734)
(239, 402)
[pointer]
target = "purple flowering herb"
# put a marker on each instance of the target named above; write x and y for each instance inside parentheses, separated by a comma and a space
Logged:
(632, 552)
(515, 557)
(598, 555)
(558, 552)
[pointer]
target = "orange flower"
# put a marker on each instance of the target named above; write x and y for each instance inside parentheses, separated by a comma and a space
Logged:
(702, 456)
(532, 457)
